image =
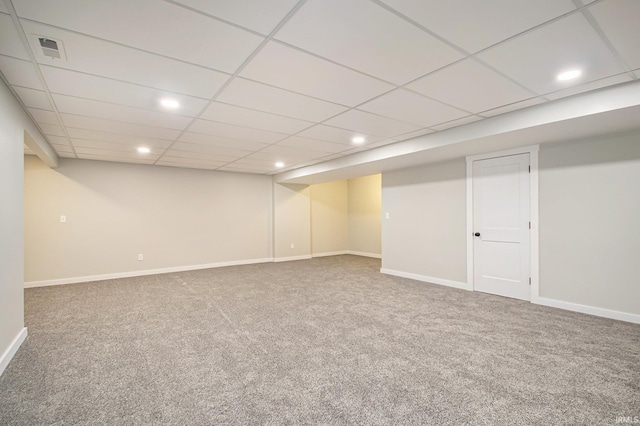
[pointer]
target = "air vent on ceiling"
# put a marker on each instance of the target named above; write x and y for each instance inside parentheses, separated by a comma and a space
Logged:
(49, 48)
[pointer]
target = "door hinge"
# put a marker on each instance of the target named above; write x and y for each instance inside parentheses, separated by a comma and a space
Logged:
(529, 225)
(529, 280)
(529, 169)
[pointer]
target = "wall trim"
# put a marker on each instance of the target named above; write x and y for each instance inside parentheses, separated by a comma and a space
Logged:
(90, 278)
(424, 278)
(12, 349)
(290, 258)
(365, 254)
(330, 253)
(585, 309)
(533, 207)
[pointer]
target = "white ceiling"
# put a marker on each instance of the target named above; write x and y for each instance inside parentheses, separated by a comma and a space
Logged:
(294, 81)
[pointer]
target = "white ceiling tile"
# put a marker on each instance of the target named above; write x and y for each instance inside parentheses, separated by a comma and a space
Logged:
(292, 152)
(10, 42)
(261, 16)
(102, 58)
(52, 129)
(456, 123)
(314, 144)
(362, 35)
(58, 140)
(200, 166)
(593, 85)
(220, 141)
(108, 111)
(43, 116)
(176, 153)
(207, 149)
(101, 125)
(3, 8)
(154, 26)
(125, 153)
(258, 96)
(336, 135)
(20, 73)
(470, 86)
(108, 146)
(230, 169)
(637, 74)
(62, 148)
(192, 161)
(512, 107)
(564, 44)
(81, 85)
(415, 134)
(474, 25)
(114, 158)
(301, 72)
(239, 116)
(268, 160)
(33, 98)
(619, 21)
(120, 138)
(409, 107)
(365, 122)
(235, 132)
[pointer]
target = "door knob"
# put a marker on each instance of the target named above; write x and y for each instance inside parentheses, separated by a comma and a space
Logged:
(477, 234)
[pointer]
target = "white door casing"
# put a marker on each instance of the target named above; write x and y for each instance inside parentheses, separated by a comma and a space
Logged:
(501, 226)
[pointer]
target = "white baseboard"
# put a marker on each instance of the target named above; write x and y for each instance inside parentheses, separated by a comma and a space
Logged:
(365, 254)
(75, 280)
(330, 253)
(424, 278)
(591, 310)
(287, 259)
(12, 349)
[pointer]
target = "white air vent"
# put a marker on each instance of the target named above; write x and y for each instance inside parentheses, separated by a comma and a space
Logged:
(48, 48)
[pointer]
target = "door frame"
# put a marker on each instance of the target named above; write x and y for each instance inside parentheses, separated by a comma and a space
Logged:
(532, 150)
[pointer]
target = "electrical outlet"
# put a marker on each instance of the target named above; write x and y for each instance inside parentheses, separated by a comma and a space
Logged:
(63, 219)
(293, 245)
(140, 256)
(386, 215)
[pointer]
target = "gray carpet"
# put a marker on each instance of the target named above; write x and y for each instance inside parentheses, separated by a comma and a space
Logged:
(323, 341)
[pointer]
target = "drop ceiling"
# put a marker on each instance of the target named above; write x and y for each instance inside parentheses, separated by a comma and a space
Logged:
(260, 82)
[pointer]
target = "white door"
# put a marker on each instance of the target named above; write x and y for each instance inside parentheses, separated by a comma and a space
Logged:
(501, 227)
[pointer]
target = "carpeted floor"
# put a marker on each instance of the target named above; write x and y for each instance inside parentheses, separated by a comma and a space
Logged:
(324, 341)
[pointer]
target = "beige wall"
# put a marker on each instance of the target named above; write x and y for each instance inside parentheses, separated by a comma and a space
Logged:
(589, 212)
(329, 218)
(425, 233)
(174, 217)
(365, 206)
(589, 204)
(292, 221)
(13, 124)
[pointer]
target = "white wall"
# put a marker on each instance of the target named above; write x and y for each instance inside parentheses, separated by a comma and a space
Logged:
(329, 218)
(589, 213)
(174, 217)
(365, 206)
(13, 124)
(425, 234)
(292, 222)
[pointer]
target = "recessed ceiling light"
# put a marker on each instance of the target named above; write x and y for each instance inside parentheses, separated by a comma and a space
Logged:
(143, 150)
(358, 140)
(569, 75)
(279, 164)
(169, 103)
